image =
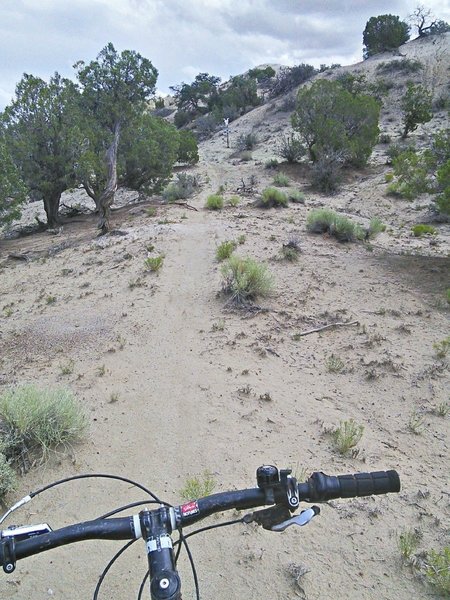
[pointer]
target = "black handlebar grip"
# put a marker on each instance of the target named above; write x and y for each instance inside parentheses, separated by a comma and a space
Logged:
(321, 487)
(367, 484)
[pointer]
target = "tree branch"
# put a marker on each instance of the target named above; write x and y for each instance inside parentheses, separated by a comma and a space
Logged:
(329, 326)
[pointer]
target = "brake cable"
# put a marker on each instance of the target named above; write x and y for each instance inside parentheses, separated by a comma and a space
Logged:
(109, 565)
(132, 505)
(142, 586)
(191, 560)
(30, 496)
(207, 528)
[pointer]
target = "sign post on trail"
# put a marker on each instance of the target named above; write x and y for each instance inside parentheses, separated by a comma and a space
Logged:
(227, 130)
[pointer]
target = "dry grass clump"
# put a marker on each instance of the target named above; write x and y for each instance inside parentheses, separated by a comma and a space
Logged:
(296, 196)
(214, 202)
(225, 250)
(34, 421)
(327, 221)
(281, 180)
(271, 197)
(244, 279)
(291, 250)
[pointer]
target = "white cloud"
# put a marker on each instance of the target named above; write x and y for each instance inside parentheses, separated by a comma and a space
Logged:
(183, 38)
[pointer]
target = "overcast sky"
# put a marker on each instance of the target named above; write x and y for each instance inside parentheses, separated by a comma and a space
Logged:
(185, 37)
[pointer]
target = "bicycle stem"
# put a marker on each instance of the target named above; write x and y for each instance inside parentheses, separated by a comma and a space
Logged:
(156, 528)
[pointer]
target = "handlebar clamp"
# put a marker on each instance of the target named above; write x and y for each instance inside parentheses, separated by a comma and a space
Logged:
(8, 554)
(278, 486)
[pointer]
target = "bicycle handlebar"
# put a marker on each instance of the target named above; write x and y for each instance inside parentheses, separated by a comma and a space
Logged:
(318, 488)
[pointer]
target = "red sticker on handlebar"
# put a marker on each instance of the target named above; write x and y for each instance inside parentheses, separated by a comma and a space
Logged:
(189, 509)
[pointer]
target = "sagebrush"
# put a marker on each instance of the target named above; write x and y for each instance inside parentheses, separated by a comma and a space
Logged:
(34, 421)
(244, 279)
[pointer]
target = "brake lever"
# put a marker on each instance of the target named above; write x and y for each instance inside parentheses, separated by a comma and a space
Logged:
(302, 519)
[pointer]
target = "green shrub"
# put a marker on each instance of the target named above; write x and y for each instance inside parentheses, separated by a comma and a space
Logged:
(336, 125)
(244, 279)
(334, 364)
(247, 141)
(320, 220)
(225, 250)
(182, 188)
(289, 254)
(442, 348)
(343, 229)
(376, 226)
(290, 148)
(326, 171)
(355, 83)
(262, 74)
(271, 197)
(347, 435)
(408, 542)
(404, 66)
(443, 180)
(420, 230)
(411, 175)
(188, 148)
(35, 421)
(396, 149)
(296, 196)
(438, 570)
(281, 180)
(417, 108)
(272, 163)
(214, 202)
(233, 201)
(182, 118)
(288, 78)
(205, 126)
(198, 486)
(154, 263)
(246, 156)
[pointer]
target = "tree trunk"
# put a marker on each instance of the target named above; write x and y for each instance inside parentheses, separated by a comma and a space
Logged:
(51, 206)
(107, 196)
(92, 194)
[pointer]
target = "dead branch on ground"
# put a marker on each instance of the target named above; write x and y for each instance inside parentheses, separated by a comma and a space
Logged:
(329, 326)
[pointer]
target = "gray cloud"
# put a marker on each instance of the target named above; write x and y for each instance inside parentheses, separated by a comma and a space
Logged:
(222, 37)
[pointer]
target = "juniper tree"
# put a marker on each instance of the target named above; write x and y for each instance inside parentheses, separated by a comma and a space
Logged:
(382, 33)
(41, 133)
(115, 88)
